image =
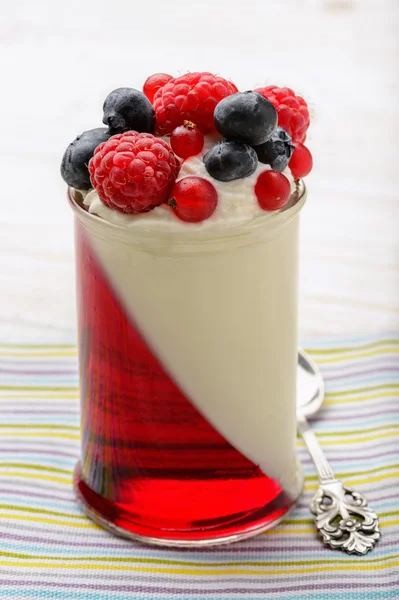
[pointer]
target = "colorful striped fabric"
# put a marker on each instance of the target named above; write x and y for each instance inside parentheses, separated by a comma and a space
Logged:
(50, 550)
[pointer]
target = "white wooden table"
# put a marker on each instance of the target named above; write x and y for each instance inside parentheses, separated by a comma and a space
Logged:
(59, 61)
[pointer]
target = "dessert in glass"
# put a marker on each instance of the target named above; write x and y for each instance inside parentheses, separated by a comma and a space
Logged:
(186, 219)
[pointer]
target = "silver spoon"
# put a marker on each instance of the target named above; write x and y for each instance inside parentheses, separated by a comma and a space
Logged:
(342, 516)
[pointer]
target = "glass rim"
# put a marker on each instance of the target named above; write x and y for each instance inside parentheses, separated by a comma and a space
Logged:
(180, 242)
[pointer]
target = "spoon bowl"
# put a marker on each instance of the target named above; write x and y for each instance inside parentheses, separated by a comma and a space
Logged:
(310, 386)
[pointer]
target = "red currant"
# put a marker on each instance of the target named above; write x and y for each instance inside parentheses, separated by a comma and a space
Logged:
(187, 140)
(154, 83)
(273, 190)
(194, 199)
(301, 162)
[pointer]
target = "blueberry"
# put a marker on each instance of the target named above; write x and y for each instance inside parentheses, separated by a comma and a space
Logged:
(277, 151)
(128, 109)
(76, 158)
(246, 117)
(230, 160)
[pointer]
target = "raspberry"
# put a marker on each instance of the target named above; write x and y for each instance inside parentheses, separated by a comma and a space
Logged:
(272, 190)
(301, 162)
(133, 172)
(154, 83)
(292, 110)
(192, 97)
(187, 140)
(194, 199)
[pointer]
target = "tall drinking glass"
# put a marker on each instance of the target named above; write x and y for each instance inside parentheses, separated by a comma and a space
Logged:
(188, 354)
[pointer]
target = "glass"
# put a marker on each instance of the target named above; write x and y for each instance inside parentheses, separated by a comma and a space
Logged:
(187, 355)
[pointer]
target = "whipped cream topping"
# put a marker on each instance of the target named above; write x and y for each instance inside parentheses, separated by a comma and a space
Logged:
(237, 202)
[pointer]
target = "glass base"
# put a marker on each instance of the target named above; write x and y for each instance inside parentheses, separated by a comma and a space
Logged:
(111, 517)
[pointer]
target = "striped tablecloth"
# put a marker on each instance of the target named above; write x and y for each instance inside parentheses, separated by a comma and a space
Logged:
(50, 550)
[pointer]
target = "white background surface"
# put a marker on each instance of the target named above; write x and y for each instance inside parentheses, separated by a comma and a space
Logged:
(58, 62)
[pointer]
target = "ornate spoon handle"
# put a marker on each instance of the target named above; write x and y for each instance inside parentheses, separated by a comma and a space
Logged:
(342, 516)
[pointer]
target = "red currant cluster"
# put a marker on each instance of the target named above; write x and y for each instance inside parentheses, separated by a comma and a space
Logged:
(273, 190)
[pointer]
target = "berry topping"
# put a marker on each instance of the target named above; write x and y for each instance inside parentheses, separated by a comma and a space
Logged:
(133, 172)
(74, 163)
(246, 117)
(187, 140)
(277, 151)
(194, 199)
(273, 190)
(154, 83)
(128, 109)
(230, 160)
(293, 112)
(191, 97)
(301, 162)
